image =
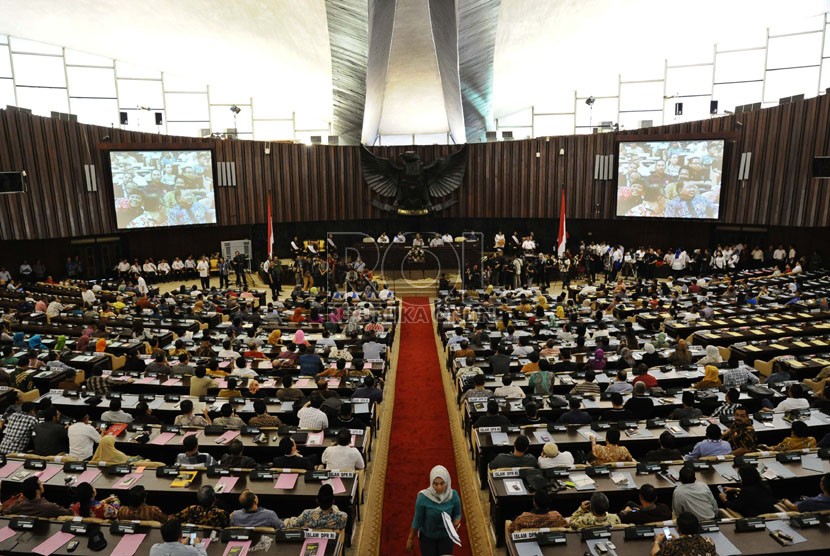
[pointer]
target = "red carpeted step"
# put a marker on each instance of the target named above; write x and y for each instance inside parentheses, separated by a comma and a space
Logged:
(420, 435)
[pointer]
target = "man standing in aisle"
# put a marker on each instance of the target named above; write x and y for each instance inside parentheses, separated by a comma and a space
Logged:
(203, 267)
(239, 269)
(224, 270)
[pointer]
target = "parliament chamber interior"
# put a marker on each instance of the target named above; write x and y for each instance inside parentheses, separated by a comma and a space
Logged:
(435, 277)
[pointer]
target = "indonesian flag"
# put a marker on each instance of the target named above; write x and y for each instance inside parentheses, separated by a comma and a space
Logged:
(270, 229)
(563, 234)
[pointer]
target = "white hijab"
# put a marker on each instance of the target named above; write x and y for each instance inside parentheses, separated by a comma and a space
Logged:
(438, 471)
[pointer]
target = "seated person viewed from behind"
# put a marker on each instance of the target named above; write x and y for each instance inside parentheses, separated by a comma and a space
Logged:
(612, 451)
(693, 496)
(325, 516)
(799, 439)
(204, 512)
(188, 419)
(116, 414)
(737, 377)
(574, 415)
(228, 418)
(342, 456)
(173, 545)
(649, 510)
(290, 457)
(492, 418)
(192, 455)
(620, 384)
(666, 451)
(235, 458)
(593, 513)
(712, 445)
(518, 458)
(553, 457)
(689, 542)
(311, 417)
(753, 497)
(588, 387)
(818, 503)
(688, 410)
(87, 505)
(136, 507)
(795, 399)
(507, 389)
(540, 516)
(617, 411)
(251, 515)
(640, 405)
(32, 503)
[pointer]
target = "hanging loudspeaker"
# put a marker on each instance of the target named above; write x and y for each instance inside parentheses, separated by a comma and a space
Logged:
(678, 108)
(124, 119)
(713, 107)
(158, 118)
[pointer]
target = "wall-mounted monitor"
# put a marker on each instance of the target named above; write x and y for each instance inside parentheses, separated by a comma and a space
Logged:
(12, 182)
(153, 189)
(670, 179)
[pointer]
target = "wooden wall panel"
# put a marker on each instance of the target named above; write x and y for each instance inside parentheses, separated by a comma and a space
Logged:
(504, 179)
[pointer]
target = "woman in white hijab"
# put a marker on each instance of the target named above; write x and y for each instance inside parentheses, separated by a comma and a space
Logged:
(712, 357)
(428, 523)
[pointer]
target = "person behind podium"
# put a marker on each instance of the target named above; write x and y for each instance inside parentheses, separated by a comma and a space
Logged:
(173, 545)
(32, 502)
(518, 458)
(689, 541)
(428, 523)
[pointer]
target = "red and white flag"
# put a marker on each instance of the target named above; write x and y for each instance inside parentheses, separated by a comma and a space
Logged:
(270, 229)
(563, 234)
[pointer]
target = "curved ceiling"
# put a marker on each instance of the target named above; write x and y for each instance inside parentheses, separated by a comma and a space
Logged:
(511, 54)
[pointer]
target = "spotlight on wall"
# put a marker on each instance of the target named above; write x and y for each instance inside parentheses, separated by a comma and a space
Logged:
(235, 109)
(590, 101)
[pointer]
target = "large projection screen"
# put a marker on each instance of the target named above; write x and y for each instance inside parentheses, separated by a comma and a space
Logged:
(670, 179)
(154, 189)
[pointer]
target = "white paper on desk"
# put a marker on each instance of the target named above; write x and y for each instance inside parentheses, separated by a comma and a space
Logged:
(813, 463)
(499, 439)
(723, 546)
(514, 487)
(588, 434)
(623, 480)
(450, 528)
(779, 469)
(542, 436)
(528, 548)
(778, 525)
(726, 471)
(582, 481)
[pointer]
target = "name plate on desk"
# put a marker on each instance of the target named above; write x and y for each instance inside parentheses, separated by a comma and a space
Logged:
(114, 396)
(71, 393)
(22, 524)
(709, 527)
(644, 468)
(136, 427)
(341, 474)
(289, 535)
(171, 428)
(259, 475)
(749, 524)
(595, 533)
(655, 423)
(37, 464)
(557, 428)
(74, 467)
(237, 400)
(312, 534)
(236, 535)
(146, 397)
(477, 400)
(746, 460)
(123, 527)
(598, 470)
(207, 399)
(505, 473)
(805, 521)
(75, 527)
(490, 429)
(167, 472)
(360, 400)
(218, 471)
(600, 426)
(788, 457)
(250, 431)
(698, 465)
(172, 397)
(639, 532)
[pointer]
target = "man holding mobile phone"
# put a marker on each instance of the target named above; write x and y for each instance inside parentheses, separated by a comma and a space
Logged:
(689, 541)
(176, 545)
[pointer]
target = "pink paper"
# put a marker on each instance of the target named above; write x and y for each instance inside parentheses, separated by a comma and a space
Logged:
(224, 364)
(48, 473)
(336, 485)
(7, 533)
(221, 383)
(171, 382)
(244, 544)
(87, 476)
(227, 484)
(191, 433)
(162, 438)
(367, 366)
(145, 380)
(315, 439)
(286, 481)
(227, 437)
(303, 383)
(10, 468)
(53, 543)
(128, 481)
(128, 545)
(334, 382)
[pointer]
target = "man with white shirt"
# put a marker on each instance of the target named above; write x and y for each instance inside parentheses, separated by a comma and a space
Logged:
(203, 268)
(795, 399)
(123, 268)
(448, 239)
(400, 238)
(436, 241)
(190, 266)
(227, 353)
(163, 269)
(310, 416)
(383, 239)
(177, 267)
(385, 293)
(141, 284)
(82, 438)
(341, 456)
(507, 389)
(779, 256)
(88, 297)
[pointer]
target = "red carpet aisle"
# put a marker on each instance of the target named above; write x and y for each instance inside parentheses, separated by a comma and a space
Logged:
(420, 437)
